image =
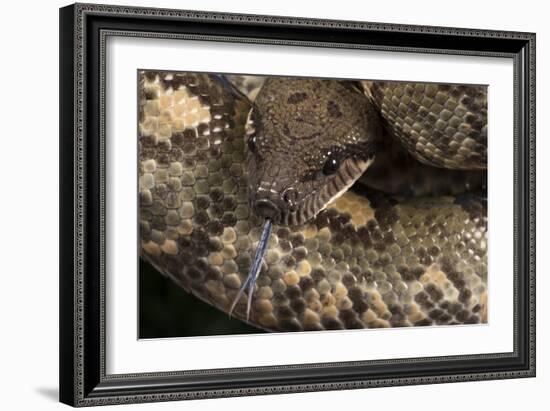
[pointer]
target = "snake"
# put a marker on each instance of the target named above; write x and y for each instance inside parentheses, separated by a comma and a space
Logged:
(376, 191)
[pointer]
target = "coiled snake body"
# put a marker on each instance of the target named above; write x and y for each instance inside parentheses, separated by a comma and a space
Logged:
(406, 247)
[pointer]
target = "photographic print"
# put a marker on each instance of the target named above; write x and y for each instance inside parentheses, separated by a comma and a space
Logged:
(289, 204)
(233, 185)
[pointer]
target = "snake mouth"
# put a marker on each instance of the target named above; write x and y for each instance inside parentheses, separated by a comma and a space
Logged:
(267, 209)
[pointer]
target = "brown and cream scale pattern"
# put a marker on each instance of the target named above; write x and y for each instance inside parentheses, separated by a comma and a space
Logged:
(443, 125)
(362, 263)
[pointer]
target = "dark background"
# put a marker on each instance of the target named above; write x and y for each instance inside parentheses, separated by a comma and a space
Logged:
(166, 310)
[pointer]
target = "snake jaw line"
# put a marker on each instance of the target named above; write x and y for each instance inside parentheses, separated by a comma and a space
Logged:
(363, 166)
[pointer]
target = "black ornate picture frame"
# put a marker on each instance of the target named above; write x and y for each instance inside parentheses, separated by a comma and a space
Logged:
(84, 29)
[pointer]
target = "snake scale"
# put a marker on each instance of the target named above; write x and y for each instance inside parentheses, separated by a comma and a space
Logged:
(211, 169)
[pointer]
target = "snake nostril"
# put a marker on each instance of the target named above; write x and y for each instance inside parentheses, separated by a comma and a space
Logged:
(289, 195)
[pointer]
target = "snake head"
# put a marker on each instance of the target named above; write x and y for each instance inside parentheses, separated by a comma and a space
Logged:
(308, 141)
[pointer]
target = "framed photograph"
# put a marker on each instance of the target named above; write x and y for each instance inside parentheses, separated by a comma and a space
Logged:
(259, 204)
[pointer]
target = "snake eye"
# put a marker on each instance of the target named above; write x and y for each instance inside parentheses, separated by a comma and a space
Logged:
(252, 144)
(331, 166)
